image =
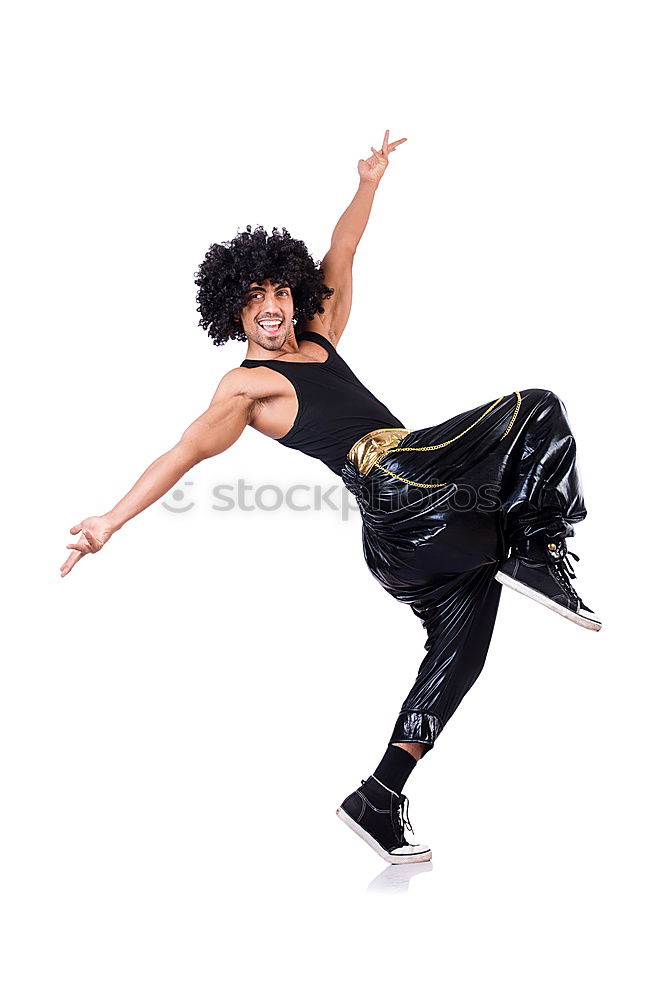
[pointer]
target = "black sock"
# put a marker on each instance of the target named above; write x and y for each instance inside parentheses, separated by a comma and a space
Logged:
(394, 768)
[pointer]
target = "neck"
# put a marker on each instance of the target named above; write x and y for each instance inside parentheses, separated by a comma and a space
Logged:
(257, 352)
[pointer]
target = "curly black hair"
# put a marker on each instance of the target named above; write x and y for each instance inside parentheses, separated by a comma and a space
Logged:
(229, 268)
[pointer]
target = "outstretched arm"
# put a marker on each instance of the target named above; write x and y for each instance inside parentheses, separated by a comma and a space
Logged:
(213, 432)
(337, 264)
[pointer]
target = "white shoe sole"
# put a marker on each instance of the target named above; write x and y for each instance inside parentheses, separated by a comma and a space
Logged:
(547, 602)
(394, 859)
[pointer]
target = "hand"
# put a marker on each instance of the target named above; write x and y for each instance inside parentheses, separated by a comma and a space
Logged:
(95, 533)
(373, 168)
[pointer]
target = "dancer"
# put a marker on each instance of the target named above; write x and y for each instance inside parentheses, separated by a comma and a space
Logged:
(450, 513)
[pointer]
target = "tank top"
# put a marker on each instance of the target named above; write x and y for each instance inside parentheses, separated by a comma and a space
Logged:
(335, 408)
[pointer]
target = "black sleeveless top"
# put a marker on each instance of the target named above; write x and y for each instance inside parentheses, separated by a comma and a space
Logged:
(335, 409)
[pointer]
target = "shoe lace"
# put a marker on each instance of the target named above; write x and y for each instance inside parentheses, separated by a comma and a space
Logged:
(402, 814)
(562, 568)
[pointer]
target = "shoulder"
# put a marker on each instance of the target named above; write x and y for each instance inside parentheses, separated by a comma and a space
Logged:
(320, 325)
(252, 383)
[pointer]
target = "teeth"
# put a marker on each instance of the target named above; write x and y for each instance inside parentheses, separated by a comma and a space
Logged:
(270, 323)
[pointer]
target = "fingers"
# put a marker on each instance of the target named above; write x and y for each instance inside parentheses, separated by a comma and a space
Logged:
(82, 547)
(88, 543)
(93, 542)
(387, 147)
(69, 563)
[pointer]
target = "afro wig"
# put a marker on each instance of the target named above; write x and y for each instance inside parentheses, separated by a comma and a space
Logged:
(229, 268)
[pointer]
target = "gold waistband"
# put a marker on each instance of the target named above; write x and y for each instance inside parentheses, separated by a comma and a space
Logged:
(366, 452)
(370, 448)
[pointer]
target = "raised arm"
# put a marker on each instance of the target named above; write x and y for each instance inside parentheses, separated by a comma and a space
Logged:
(338, 261)
(213, 432)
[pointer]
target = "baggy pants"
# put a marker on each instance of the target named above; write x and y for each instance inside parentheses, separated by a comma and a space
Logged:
(513, 475)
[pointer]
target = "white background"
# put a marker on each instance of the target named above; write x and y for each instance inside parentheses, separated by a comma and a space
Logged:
(181, 715)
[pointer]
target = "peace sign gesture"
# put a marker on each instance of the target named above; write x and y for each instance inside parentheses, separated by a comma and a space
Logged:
(373, 168)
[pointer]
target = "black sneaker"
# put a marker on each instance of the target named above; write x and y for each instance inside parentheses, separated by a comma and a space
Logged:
(379, 816)
(540, 569)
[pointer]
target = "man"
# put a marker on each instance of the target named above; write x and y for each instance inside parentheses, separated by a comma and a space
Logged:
(484, 499)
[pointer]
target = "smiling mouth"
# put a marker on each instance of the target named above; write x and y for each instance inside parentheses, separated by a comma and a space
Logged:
(270, 325)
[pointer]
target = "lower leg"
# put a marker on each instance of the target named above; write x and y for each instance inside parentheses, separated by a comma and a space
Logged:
(459, 626)
(397, 764)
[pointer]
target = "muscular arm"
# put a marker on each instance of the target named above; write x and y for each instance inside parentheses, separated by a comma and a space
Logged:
(351, 225)
(338, 261)
(212, 432)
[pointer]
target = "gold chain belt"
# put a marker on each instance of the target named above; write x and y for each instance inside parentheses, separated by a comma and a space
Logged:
(365, 452)
(373, 445)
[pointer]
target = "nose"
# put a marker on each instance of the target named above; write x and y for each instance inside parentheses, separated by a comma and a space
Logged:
(271, 304)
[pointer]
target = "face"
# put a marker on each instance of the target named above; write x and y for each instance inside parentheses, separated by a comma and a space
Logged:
(267, 313)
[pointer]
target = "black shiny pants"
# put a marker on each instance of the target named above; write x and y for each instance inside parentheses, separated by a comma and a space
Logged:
(512, 475)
